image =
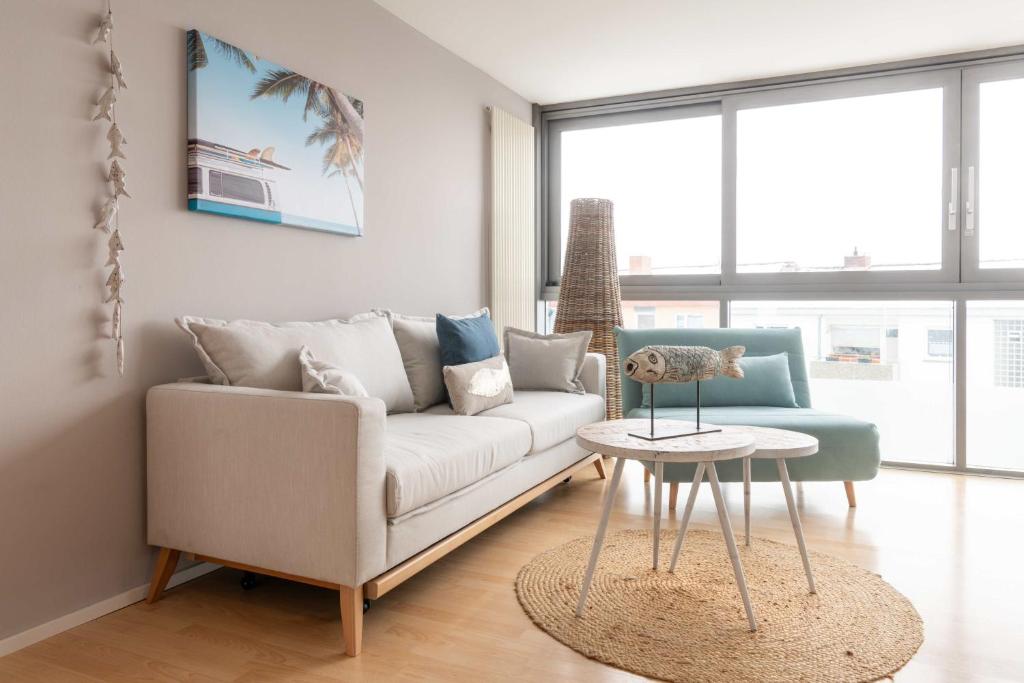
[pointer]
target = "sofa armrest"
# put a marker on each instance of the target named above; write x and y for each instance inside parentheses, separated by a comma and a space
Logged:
(279, 480)
(593, 374)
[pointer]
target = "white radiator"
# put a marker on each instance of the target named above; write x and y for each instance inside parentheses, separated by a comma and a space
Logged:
(513, 238)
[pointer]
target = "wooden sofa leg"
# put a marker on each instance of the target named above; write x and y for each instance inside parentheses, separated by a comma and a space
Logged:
(599, 466)
(166, 563)
(673, 495)
(851, 498)
(352, 619)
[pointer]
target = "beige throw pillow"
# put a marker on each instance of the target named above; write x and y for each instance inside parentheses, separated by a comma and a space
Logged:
(319, 377)
(421, 354)
(264, 355)
(546, 362)
(475, 387)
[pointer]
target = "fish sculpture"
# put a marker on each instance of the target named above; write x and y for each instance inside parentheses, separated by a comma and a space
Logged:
(114, 283)
(106, 105)
(115, 246)
(117, 176)
(116, 138)
(107, 214)
(658, 364)
(106, 26)
(115, 68)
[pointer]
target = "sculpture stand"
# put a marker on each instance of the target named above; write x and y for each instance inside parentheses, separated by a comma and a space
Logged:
(657, 432)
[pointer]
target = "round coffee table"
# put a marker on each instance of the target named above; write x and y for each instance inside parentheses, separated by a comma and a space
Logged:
(770, 444)
(612, 438)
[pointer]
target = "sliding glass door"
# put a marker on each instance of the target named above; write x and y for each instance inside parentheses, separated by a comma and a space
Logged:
(993, 178)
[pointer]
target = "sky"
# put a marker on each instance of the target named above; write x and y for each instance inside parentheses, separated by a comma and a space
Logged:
(225, 114)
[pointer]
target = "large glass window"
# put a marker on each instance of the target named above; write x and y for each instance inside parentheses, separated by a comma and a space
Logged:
(1001, 177)
(849, 184)
(651, 314)
(995, 383)
(665, 180)
(873, 360)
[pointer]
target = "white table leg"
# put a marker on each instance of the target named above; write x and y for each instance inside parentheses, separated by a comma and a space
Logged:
(746, 500)
(659, 475)
(694, 487)
(602, 527)
(730, 542)
(798, 530)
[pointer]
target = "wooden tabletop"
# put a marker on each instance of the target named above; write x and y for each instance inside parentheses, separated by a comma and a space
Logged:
(612, 438)
(777, 443)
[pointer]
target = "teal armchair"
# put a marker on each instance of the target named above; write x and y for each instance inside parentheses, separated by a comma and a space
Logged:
(848, 447)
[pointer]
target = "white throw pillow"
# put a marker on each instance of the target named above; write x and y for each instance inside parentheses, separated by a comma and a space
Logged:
(475, 387)
(546, 362)
(421, 354)
(319, 377)
(265, 355)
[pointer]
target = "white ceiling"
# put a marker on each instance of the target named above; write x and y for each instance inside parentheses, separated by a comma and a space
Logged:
(562, 50)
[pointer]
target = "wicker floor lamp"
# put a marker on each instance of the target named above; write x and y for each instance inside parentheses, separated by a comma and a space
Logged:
(589, 296)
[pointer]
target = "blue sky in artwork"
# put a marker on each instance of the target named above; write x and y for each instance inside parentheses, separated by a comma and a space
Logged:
(226, 114)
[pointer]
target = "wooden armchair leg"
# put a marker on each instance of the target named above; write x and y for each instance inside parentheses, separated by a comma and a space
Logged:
(352, 619)
(673, 495)
(647, 475)
(599, 466)
(166, 563)
(851, 498)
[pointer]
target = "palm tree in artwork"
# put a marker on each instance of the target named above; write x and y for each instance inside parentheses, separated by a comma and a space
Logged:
(341, 156)
(341, 130)
(195, 47)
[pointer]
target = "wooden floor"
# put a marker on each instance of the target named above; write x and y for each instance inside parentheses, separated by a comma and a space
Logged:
(954, 545)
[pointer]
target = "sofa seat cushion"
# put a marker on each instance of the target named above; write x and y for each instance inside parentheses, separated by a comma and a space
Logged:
(847, 447)
(552, 416)
(430, 455)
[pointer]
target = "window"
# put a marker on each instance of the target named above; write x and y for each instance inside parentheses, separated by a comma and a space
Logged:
(234, 186)
(690, 320)
(995, 383)
(994, 145)
(664, 178)
(940, 343)
(868, 359)
(644, 317)
(651, 314)
(841, 184)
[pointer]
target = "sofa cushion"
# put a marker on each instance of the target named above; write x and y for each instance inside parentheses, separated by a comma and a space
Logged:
(765, 382)
(430, 455)
(476, 387)
(546, 362)
(262, 355)
(421, 354)
(466, 340)
(552, 416)
(847, 447)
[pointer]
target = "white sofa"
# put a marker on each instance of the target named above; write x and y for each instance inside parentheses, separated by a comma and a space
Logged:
(330, 490)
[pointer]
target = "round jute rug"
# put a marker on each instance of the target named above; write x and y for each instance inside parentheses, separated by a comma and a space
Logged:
(690, 626)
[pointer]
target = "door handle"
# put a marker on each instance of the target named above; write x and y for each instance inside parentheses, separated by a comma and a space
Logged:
(970, 205)
(954, 196)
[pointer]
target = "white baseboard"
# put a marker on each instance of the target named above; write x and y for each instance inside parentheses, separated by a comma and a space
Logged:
(95, 611)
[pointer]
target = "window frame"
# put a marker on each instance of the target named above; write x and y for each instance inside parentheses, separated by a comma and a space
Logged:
(554, 187)
(961, 288)
(947, 80)
(973, 78)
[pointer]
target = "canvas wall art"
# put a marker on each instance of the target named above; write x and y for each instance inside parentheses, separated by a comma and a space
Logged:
(268, 144)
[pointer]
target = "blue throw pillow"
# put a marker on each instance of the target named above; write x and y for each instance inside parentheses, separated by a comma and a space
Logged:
(766, 382)
(466, 340)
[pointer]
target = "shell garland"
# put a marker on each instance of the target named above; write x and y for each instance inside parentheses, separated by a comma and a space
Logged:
(109, 214)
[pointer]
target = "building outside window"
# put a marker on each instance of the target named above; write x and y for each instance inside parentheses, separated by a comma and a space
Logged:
(940, 343)
(645, 317)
